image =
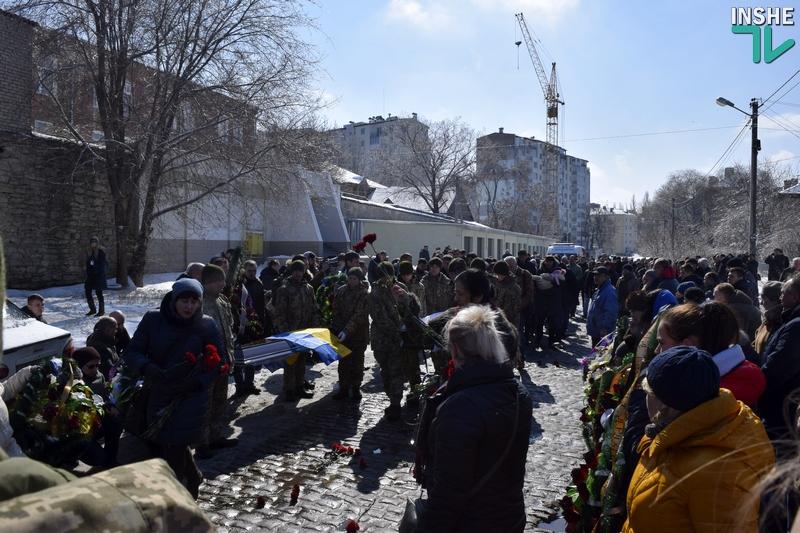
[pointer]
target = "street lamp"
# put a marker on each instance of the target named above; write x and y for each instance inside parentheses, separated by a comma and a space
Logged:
(755, 147)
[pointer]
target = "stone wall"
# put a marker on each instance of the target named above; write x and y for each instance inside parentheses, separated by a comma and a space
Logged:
(53, 198)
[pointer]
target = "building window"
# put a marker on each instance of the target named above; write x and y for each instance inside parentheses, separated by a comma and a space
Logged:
(375, 136)
(47, 76)
(41, 125)
(186, 117)
(237, 132)
(467, 244)
(480, 247)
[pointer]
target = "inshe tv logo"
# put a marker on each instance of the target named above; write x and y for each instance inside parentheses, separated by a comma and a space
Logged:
(752, 20)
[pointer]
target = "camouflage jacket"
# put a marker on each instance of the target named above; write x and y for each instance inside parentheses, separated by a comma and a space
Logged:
(220, 310)
(142, 496)
(508, 297)
(525, 281)
(295, 307)
(418, 289)
(351, 314)
(438, 293)
(389, 315)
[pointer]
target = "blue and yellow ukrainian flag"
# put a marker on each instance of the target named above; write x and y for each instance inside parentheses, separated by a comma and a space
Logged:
(319, 340)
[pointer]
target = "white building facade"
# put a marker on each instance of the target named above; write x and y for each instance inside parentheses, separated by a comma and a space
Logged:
(615, 232)
(516, 166)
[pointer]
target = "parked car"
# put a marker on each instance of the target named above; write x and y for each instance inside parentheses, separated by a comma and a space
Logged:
(27, 341)
(566, 248)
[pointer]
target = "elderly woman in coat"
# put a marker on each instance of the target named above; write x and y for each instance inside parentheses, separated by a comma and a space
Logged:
(158, 352)
(703, 454)
(478, 439)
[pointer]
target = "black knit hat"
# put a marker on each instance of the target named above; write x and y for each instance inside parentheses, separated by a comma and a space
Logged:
(683, 377)
(501, 267)
(405, 267)
(297, 266)
(84, 355)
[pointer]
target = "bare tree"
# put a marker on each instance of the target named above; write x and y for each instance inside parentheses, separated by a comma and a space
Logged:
(187, 93)
(432, 162)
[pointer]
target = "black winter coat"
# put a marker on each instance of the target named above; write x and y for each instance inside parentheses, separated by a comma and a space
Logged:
(782, 370)
(96, 270)
(163, 338)
(468, 435)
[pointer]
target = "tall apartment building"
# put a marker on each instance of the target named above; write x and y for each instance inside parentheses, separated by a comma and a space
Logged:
(509, 190)
(613, 231)
(367, 147)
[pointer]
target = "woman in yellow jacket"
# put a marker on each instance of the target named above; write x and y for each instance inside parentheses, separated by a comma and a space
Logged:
(702, 455)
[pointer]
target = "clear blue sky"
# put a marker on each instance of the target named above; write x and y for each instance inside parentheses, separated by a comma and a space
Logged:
(626, 67)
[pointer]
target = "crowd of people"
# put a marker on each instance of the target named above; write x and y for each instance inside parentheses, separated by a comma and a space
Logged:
(692, 397)
(695, 383)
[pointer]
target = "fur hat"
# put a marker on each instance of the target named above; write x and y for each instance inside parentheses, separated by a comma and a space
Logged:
(500, 267)
(386, 269)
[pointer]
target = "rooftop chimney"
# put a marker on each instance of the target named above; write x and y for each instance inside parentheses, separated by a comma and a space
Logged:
(501, 130)
(414, 116)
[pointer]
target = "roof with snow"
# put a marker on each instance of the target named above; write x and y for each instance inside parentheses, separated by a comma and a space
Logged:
(794, 190)
(342, 175)
(405, 197)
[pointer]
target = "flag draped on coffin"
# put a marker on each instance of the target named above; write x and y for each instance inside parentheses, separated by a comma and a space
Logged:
(285, 347)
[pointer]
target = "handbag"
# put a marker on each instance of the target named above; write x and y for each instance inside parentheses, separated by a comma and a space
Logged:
(410, 520)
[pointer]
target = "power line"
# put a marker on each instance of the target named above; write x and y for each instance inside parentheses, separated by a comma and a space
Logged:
(730, 148)
(778, 89)
(783, 126)
(648, 134)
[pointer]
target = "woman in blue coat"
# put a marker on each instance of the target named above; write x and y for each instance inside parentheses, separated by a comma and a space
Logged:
(158, 352)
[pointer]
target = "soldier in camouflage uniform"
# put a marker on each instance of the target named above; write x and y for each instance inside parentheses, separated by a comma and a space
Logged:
(217, 307)
(413, 337)
(524, 279)
(438, 291)
(389, 303)
(295, 308)
(507, 293)
(351, 324)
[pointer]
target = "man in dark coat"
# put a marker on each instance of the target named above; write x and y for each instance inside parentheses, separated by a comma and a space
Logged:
(737, 278)
(777, 263)
(424, 253)
(158, 352)
(782, 368)
(96, 271)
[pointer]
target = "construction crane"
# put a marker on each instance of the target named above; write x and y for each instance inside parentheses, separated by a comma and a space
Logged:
(549, 212)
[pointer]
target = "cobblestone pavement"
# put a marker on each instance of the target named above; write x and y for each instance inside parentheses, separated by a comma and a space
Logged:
(282, 444)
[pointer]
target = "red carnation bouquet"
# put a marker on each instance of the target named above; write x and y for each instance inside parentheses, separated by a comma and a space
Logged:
(361, 245)
(207, 361)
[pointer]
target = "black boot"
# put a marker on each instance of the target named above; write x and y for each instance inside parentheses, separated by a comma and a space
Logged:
(101, 303)
(342, 393)
(355, 393)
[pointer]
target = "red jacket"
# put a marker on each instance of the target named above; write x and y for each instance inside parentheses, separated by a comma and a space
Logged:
(746, 382)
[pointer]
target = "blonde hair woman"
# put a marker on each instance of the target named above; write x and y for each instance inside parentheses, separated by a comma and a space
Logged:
(477, 442)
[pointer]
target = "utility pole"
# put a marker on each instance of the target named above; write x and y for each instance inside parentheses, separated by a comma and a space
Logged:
(755, 147)
(672, 247)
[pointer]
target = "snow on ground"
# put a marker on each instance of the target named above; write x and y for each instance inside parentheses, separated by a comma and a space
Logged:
(66, 307)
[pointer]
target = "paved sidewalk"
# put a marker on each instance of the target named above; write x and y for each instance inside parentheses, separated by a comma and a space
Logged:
(283, 444)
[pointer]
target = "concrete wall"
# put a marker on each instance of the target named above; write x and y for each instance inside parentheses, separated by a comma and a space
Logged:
(16, 72)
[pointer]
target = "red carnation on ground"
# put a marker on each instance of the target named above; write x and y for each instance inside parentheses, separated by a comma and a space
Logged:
(190, 358)
(295, 494)
(369, 238)
(352, 526)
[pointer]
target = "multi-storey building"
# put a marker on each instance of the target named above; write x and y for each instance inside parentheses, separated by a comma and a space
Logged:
(613, 232)
(369, 148)
(510, 190)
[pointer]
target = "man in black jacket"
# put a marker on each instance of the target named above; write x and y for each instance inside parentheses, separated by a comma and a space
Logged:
(782, 367)
(777, 264)
(35, 307)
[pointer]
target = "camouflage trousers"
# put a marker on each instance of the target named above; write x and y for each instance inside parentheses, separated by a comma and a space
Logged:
(216, 420)
(294, 375)
(411, 366)
(351, 368)
(390, 361)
